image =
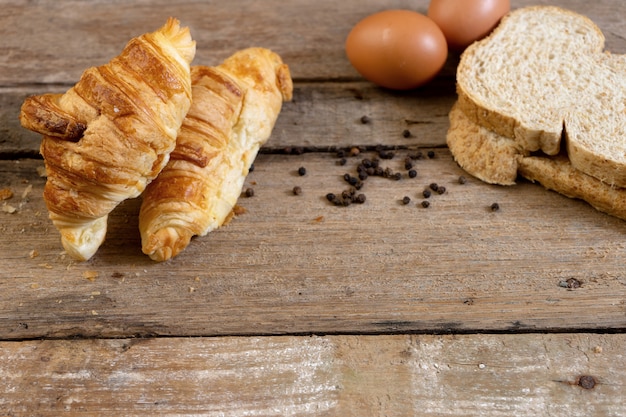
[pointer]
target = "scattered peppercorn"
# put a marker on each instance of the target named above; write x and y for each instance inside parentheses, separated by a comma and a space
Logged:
(406, 200)
(397, 176)
(383, 154)
(249, 192)
(406, 133)
(343, 161)
(587, 382)
(425, 204)
(416, 155)
(341, 153)
(331, 197)
(462, 180)
(426, 193)
(297, 190)
(412, 173)
(495, 207)
(433, 186)
(408, 164)
(360, 199)
(441, 189)
(302, 171)
(365, 120)
(431, 154)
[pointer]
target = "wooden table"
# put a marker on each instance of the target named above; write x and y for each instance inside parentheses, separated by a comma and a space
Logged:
(299, 307)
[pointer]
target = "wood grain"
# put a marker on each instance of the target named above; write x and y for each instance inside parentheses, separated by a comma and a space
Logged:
(320, 117)
(53, 42)
(494, 375)
(297, 264)
(299, 307)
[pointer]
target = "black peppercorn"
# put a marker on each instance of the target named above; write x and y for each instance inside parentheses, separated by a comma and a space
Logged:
(360, 198)
(425, 204)
(406, 133)
(462, 180)
(297, 190)
(302, 171)
(431, 154)
(433, 186)
(426, 193)
(365, 120)
(406, 199)
(495, 207)
(249, 192)
(331, 197)
(441, 189)
(416, 155)
(412, 173)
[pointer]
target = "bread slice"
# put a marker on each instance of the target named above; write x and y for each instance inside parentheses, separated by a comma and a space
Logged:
(496, 159)
(542, 76)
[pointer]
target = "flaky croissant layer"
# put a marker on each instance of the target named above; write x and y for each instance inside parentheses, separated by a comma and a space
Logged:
(109, 135)
(235, 106)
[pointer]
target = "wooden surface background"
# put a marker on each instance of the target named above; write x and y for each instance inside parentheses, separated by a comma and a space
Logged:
(298, 307)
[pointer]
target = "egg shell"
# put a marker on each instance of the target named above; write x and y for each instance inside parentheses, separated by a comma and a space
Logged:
(397, 49)
(465, 21)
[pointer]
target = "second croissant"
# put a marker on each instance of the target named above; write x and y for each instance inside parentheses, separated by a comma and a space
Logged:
(234, 109)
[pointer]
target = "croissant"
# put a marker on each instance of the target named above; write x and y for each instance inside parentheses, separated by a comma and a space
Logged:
(235, 106)
(110, 134)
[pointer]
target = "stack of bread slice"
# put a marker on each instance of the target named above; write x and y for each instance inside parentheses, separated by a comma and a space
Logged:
(541, 98)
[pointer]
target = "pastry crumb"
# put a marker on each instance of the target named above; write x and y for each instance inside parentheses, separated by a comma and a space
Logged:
(27, 191)
(7, 208)
(90, 275)
(5, 193)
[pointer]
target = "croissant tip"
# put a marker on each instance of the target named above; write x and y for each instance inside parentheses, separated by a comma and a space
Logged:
(166, 243)
(180, 36)
(82, 241)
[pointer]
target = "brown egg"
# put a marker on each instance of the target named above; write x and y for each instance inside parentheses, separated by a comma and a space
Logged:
(397, 49)
(466, 21)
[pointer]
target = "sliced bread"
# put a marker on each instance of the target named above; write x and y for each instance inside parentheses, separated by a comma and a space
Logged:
(542, 76)
(496, 159)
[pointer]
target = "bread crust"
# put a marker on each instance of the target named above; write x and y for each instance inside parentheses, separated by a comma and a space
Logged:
(542, 76)
(496, 159)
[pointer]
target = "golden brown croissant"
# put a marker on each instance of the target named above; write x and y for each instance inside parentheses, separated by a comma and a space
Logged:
(111, 133)
(235, 106)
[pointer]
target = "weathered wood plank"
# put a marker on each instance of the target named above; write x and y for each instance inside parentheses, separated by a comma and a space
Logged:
(54, 41)
(321, 115)
(488, 375)
(297, 264)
